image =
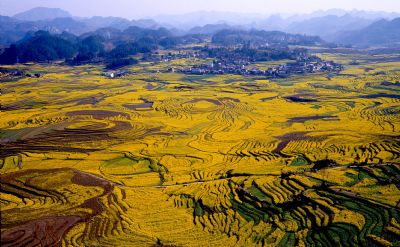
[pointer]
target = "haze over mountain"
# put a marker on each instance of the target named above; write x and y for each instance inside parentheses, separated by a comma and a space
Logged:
(42, 13)
(380, 33)
(328, 26)
(331, 25)
(138, 9)
(274, 20)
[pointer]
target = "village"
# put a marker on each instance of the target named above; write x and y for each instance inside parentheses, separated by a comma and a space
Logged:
(12, 74)
(246, 68)
(242, 62)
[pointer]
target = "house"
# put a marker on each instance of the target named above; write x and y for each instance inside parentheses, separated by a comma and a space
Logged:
(115, 74)
(109, 74)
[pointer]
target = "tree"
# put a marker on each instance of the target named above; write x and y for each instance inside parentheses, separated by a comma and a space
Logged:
(41, 47)
(118, 63)
(9, 56)
(92, 44)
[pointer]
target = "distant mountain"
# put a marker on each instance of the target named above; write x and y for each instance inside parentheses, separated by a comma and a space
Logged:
(379, 33)
(146, 23)
(328, 26)
(101, 22)
(12, 29)
(267, 22)
(97, 22)
(6, 36)
(107, 33)
(273, 22)
(201, 18)
(66, 24)
(42, 13)
(334, 25)
(57, 21)
(374, 15)
(370, 15)
(132, 33)
(212, 28)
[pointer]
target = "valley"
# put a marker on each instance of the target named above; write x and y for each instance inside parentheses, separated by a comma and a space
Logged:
(173, 159)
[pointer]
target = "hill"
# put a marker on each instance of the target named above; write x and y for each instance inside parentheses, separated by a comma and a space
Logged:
(212, 28)
(41, 13)
(260, 37)
(328, 26)
(382, 32)
(13, 29)
(106, 44)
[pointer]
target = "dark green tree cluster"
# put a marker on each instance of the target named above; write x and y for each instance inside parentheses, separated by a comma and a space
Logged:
(42, 47)
(255, 54)
(260, 38)
(120, 62)
(45, 47)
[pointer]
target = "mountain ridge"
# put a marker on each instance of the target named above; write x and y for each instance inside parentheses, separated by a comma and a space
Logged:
(381, 32)
(42, 13)
(331, 25)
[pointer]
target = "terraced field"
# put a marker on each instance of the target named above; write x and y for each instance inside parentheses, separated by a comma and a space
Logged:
(155, 159)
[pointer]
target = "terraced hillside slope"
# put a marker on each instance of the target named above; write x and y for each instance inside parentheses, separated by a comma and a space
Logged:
(165, 159)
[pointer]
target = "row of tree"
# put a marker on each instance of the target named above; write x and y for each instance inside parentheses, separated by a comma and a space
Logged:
(261, 38)
(259, 54)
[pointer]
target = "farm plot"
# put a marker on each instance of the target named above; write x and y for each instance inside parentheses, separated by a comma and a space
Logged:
(154, 159)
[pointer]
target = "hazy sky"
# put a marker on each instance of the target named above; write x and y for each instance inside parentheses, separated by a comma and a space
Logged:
(146, 8)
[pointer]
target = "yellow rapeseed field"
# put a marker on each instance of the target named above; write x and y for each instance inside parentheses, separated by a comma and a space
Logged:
(167, 159)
